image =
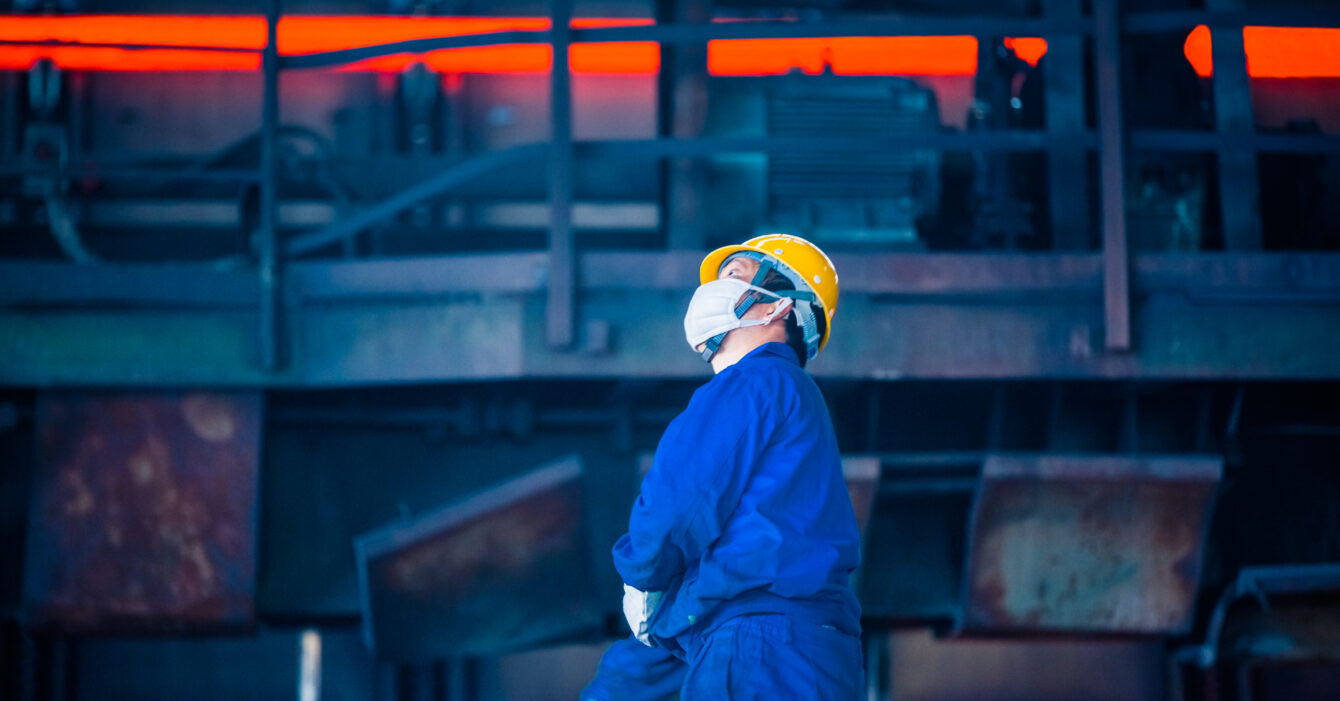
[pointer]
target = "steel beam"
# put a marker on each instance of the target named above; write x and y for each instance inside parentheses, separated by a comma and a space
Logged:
(560, 321)
(332, 59)
(1254, 278)
(886, 25)
(53, 44)
(1014, 140)
(1227, 18)
(1239, 190)
(1258, 316)
(682, 114)
(1183, 140)
(1067, 174)
(1116, 255)
(700, 33)
(271, 333)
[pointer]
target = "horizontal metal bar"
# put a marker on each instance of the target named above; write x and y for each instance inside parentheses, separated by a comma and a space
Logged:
(327, 281)
(49, 284)
(1183, 140)
(1308, 277)
(885, 25)
(385, 332)
(1179, 467)
(331, 59)
(876, 274)
(94, 170)
(1311, 275)
(1160, 21)
(690, 33)
(965, 485)
(894, 462)
(128, 47)
(1003, 140)
(1013, 140)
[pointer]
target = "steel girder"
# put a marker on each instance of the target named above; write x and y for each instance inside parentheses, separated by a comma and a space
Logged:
(460, 318)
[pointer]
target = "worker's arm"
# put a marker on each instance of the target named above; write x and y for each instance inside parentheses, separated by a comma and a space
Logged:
(631, 671)
(703, 463)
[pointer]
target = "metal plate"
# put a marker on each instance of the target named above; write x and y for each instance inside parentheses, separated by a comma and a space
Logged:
(1089, 544)
(506, 569)
(862, 476)
(144, 516)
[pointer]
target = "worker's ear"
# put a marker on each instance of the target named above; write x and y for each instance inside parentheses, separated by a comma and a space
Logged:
(779, 310)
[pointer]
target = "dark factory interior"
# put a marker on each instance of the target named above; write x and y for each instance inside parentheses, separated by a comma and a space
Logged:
(336, 336)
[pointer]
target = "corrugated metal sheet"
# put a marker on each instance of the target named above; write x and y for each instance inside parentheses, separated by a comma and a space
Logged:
(145, 512)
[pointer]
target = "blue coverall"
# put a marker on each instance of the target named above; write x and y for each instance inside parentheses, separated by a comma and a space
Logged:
(745, 523)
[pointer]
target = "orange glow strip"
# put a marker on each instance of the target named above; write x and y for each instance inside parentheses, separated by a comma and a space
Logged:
(1273, 52)
(303, 34)
(950, 55)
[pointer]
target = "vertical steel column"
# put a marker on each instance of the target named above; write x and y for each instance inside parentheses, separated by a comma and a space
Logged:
(1067, 179)
(9, 115)
(271, 355)
(1112, 158)
(561, 313)
(1239, 192)
(682, 113)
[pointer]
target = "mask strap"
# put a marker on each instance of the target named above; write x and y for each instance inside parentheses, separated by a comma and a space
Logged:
(764, 266)
(713, 345)
(803, 299)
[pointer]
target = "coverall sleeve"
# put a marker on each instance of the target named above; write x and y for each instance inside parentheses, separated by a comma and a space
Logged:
(703, 463)
(631, 671)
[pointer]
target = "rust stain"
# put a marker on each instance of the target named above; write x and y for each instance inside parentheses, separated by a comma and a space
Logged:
(494, 549)
(1093, 552)
(146, 511)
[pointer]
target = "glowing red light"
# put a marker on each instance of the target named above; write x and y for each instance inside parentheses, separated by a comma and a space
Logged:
(1272, 52)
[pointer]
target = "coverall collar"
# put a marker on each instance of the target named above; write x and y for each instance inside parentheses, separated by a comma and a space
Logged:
(781, 350)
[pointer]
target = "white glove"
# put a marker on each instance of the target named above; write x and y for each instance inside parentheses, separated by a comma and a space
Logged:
(638, 607)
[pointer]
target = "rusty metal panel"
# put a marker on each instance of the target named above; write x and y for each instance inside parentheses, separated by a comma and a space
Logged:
(1088, 544)
(862, 476)
(506, 569)
(144, 512)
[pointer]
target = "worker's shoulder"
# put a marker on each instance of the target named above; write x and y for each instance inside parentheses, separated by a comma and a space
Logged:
(768, 368)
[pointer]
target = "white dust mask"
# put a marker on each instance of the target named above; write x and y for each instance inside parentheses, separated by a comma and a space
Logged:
(712, 310)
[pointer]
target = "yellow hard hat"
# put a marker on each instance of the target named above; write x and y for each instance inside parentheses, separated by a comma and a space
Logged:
(801, 261)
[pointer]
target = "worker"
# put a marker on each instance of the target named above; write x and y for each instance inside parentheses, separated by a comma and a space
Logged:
(741, 545)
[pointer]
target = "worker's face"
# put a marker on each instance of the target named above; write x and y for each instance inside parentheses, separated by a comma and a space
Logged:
(744, 268)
